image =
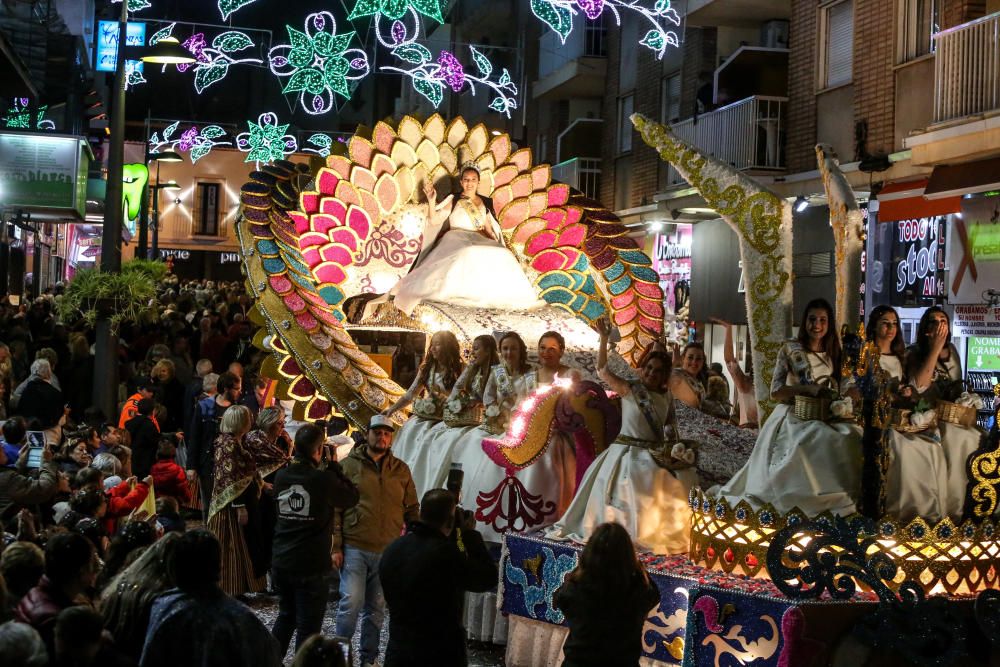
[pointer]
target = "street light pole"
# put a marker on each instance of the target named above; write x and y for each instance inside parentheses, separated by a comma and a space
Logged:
(155, 254)
(105, 388)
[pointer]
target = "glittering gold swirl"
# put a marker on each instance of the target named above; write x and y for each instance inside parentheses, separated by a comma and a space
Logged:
(758, 216)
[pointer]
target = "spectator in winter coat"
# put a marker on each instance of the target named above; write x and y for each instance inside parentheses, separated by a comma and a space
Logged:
(144, 389)
(18, 489)
(71, 567)
(194, 389)
(204, 428)
(425, 575)
(41, 400)
(169, 479)
(145, 434)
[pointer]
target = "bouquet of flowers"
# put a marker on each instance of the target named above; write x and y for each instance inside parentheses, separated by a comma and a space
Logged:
(426, 407)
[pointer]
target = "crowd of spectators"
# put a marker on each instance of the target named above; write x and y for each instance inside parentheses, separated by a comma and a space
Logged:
(94, 572)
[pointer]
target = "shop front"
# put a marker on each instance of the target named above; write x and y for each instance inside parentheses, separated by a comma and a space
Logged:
(671, 255)
(200, 264)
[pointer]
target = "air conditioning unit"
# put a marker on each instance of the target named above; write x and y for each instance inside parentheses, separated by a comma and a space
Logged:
(774, 34)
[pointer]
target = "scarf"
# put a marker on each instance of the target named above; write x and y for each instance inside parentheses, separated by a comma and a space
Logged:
(234, 470)
(269, 455)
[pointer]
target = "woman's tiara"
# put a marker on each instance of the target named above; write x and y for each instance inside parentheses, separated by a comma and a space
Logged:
(469, 165)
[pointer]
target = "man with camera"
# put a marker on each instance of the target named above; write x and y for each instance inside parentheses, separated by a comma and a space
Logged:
(310, 494)
(388, 501)
(425, 575)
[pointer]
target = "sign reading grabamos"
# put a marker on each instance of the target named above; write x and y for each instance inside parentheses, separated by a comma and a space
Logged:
(976, 320)
(44, 173)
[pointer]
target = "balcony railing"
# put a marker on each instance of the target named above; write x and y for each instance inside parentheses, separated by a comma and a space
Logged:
(582, 173)
(967, 69)
(749, 134)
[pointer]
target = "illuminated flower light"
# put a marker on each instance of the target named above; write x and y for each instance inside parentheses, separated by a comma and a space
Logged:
(318, 63)
(227, 7)
(430, 78)
(659, 15)
(403, 17)
(266, 140)
(319, 144)
(19, 116)
(196, 143)
(213, 62)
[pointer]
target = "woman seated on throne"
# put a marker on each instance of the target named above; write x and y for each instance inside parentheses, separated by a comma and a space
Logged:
(464, 260)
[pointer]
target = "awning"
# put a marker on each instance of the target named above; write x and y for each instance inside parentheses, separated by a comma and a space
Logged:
(907, 199)
(962, 179)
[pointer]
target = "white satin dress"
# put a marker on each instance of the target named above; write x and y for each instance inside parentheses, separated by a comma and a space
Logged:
(467, 268)
(809, 464)
(625, 484)
(413, 441)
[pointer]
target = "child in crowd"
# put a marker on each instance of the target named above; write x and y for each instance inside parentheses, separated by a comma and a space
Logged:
(169, 479)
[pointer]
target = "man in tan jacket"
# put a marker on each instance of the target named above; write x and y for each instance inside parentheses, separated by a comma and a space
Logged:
(388, 501)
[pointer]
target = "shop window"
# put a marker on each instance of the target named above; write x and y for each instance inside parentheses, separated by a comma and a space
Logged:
(206, 214)
(837, 44)
(625, 107)
(670, 90)
(918, 21)
(812, 264)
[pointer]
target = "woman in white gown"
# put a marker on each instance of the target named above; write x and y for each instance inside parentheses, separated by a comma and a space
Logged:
(935, 371)
(462, 411)
(637, 481)
(552, 478)
(809, 464)
(429, 392)
(687, 383)
(916, 477)
(466, 262)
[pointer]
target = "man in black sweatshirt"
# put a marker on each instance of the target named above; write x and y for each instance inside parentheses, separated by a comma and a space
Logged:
(309, 496)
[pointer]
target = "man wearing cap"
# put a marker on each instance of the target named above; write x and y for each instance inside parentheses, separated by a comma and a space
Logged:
(388, 500)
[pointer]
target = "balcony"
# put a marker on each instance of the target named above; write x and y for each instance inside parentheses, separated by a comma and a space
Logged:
(582, 173)
(967, 69)
(742, 13)
(749, 134)
(576, 68)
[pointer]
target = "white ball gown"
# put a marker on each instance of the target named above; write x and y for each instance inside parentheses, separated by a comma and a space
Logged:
(809, 464)
(625, 483)
(412, 443)
(465, 267)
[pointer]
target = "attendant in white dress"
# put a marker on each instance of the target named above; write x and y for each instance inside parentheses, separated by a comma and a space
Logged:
(429, 392)
(464, 260)
(935, 371)
(637, 481)
(688, 381)
(462, 414)
(809, 464)
(552, 477)
(916, 480)
(744, 399)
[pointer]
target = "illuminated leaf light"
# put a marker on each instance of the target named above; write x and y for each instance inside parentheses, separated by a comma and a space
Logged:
(19, 116)
(266, 140)
(318, 63)
(133, 74)
(212, 61)
(135, 5)
(430, 78)
(197, 143)
(319, 144)
(227, 7)
(660, 15)
(402, 17)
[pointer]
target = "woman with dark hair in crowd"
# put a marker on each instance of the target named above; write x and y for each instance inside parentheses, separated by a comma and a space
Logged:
(605, 601)
(132, 536)
(127, 598)
(689, 381)
(436, 377)
(643, 478)
(809, 464)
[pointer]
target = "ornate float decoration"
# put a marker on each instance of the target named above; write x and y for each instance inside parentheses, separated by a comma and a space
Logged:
(846, 220)
(763, 223)
(311, 241)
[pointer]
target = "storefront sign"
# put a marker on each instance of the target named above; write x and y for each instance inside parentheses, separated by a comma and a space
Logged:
(974, 251)
(176, 254)
(672, 261)
(983, 354)
(42, 171)
(915, 252)
(228, 257)
(978, 320)
(107, 44)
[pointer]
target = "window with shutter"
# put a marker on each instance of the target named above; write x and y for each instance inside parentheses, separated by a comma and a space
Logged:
(838, 43)
(671, 103)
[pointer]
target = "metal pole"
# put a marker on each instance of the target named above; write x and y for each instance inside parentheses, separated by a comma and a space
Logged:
(105, 389)
(142, 245)
(155, 254)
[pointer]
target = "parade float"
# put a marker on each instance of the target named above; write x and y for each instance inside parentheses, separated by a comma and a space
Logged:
(758, 586)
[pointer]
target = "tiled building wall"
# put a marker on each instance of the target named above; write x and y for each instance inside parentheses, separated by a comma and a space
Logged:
(874, 78)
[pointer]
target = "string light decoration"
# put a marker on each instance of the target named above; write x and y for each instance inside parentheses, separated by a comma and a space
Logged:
(196, 143)
(318, 63)
(402, 16)
(430, 78)
(135, 5)
(19, 116)
(318, 144)
(661, 16)
(266, 140)
(227, 7)
(133, 74)
(213, 61)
